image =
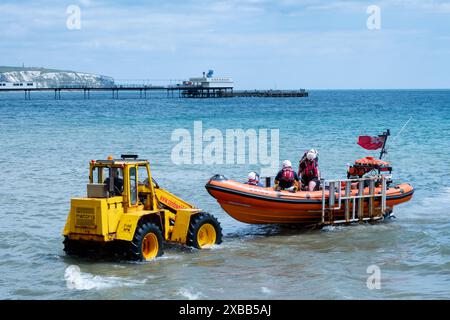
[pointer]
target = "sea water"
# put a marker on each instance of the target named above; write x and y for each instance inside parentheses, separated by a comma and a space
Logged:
(46, 146)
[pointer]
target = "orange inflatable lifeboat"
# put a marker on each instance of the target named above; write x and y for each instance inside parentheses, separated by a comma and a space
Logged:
(264, 205)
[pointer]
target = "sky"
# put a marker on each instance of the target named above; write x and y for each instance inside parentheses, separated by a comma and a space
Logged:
(261, 44)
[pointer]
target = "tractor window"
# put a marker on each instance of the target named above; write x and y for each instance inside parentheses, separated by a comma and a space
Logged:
(133, 186)
(99, 174)
(105, 174)
(116, 172)
(143, 175)
(95, 175)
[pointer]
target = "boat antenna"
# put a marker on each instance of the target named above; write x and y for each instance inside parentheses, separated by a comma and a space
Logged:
(403, 127)
(385, 135)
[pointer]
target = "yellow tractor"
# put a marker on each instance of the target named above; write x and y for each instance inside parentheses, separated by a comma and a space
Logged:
(126, 210)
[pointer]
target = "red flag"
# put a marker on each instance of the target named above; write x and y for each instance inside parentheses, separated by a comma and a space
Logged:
(371, 143)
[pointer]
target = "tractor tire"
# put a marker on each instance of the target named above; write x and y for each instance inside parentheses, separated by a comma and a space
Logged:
(147, 243)
(72, 247)
(81, 248)
(204, 231)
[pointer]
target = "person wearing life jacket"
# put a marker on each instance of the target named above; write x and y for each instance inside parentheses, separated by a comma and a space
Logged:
(253, 179)
(287, 178)
(308, 170)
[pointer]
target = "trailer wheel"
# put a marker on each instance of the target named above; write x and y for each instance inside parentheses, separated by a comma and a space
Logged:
(204, 231)
(147, 243)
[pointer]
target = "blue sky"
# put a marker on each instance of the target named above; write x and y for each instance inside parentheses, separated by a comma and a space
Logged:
(313, 44)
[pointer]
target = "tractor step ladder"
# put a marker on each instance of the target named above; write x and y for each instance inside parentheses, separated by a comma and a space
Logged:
(352, 204)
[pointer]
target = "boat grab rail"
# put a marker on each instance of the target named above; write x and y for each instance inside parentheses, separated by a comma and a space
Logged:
(335, 186)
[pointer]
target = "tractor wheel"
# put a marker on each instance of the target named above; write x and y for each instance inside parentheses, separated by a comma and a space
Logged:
(72, 247)
(204, 231)
(147, 243)
(68, 246)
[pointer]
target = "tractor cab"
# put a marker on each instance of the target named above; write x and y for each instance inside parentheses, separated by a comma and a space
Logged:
(127, 177)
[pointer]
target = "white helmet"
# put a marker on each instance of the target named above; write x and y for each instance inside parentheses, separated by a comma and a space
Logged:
(312, 154)
(286, 163)
(252, 176)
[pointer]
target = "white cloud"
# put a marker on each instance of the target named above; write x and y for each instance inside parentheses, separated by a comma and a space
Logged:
(245, 38)
(86, 3)
(430, 6)
(423, 6)
(211, 29)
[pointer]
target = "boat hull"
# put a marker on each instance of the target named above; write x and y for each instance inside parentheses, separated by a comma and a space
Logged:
(257, 205)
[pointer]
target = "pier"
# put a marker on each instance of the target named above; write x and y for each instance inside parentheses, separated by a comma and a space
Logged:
(141, 91)
(178, 91)
(205, 86)
(268, 93)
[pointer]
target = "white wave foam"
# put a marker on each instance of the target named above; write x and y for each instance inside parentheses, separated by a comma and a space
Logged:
(438, 201)
(188, 293)
(155, 260)
(443, 197)
(168, 257)
(77, 280)
(266, 290)
(333, 228)
(214, 247)
(432, 207)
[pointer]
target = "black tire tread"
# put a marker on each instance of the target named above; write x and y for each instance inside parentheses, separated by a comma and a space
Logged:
(72, 247)
(133, 250)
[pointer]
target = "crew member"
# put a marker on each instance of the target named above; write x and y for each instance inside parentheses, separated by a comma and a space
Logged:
(253, 179)
(287, 178)
(308, 170)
